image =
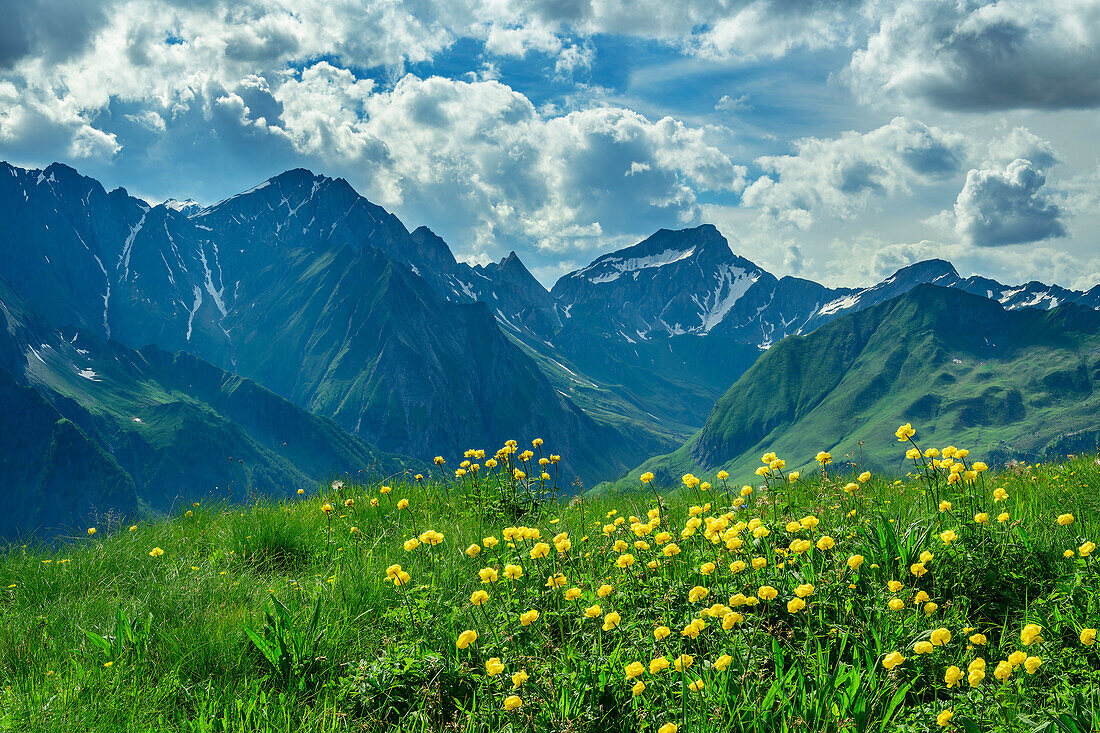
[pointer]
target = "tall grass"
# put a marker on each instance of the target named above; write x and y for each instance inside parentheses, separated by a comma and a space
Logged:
(278, 616)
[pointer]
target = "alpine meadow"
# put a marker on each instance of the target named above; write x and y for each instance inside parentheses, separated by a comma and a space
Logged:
(587, 366)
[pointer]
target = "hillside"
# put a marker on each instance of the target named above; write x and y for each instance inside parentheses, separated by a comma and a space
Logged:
(1009, 383)
(423, 607)
(95, 427)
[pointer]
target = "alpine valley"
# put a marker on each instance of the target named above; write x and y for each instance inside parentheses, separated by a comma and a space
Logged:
(152, 354)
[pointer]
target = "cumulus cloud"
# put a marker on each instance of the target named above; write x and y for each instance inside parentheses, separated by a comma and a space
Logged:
(1007, 206)
(975, 56)
(842, 176)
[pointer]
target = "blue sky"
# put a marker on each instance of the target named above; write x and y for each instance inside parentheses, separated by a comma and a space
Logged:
(834, 139)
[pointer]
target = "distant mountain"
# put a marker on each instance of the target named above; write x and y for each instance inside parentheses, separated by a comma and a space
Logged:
(314, 292)
(93, 426)
(961, 368)
(327, 299)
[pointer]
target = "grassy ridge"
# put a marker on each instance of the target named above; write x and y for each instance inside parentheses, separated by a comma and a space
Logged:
(280, 617)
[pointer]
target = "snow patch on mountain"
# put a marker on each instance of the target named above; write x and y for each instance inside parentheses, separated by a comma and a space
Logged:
(616, 266)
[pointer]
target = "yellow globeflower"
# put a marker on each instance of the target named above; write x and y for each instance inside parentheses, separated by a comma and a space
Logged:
(624, 561)
(671, 550)
(948, 536)
(697, 686)
(940, 637)
(661, 632)
(1086, 548)
(1003, 517)
(593, 611)
(518, 679)
(1065, 520)
(479, 597)
(646, 477)
(893, 659)
(823, 458)
(634, 669)
(473, 550)
(1088, 637)
(638, 688)
(896, 604)
(683, 662)
(326, 508)
(923, 647)
(466, 638)
(1030, 634)
(722, 662)
(905, 432)
(697, 593)
(855, 561)
(513, 572)
(918, 569)
(411, 544)
(512, 702)
(611, 621)
(795, 605)
(945, 506)
(403, 504)
(912, 454)
(894, 586)
(759, 562)
(572, 594)
(604, 591)
(766, 593)
(658, 664)
(981, 518)
(487, 575)
(528, 617)
(493, 667)
(977, 639)
(944, 718)
(1031, 664)
(1003, 671)
(952, 676)
(826, 543)
(668, 728)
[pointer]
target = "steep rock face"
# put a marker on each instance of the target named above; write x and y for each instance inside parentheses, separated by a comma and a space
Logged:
(317, 294)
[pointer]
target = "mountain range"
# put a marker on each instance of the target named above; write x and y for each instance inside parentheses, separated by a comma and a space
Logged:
(304, 289)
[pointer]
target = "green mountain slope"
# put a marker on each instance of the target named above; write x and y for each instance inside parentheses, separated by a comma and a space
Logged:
(95, 427)
(962, 369)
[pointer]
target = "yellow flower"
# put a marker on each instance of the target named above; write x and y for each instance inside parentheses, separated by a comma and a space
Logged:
(611, 620)
(624, 561)
(697, 686)
(722, 476)
(1065, 520)
(722, 662)
(892, 660)
(795, 605)
(1030, 634)
(1003, 517)
(793, 475)
(604, 591)
(513, 572)
(952, 676)
(572, 594)
(977, 639)
(156, 552)
(108, 665)
(1003, 671)
(646, 477)
(403, 504)
(1088, 637)
(855, 561)
(806, 589)
(668, 728)
(759, 562)
(1086, 549)
(411, 544)
(746, 490)
(930, 608)
(944, 718)
(301, 492)
(518, 679)
(326, 508)
(473, 550)
(697, 593)
(540, 550)
(948, 536)
(920, 597)
(981, 518)
(528, 617)
(487, 575)
(512, 702)
(923, 647)
(633, 670)
(374, 501)
(431, 537)
(493, 667)
(91, 531)
(912, 454)
(1031, 664)
(1000, 495)
(896, 604)
(826, 543)
(905, 432)
(479, 597)
(894, 586)
(945, 506)
(133, 528)
(940, 637)
(918, 569)
(638, 688)
(823, 458)
(683, 662)
(658, 664)
(1067, 554)
(384, 490)
(707, 568)
(466, 638)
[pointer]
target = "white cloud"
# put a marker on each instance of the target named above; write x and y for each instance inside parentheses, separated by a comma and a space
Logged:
(843, 176)
(1007, 205)
(975, 56)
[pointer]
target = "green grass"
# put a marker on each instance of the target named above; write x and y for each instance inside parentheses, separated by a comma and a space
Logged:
(277, 617)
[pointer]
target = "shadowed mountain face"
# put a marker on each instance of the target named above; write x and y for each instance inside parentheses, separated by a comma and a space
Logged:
(94, 427)
(312, 291)
(328, 300)
(960, 367)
